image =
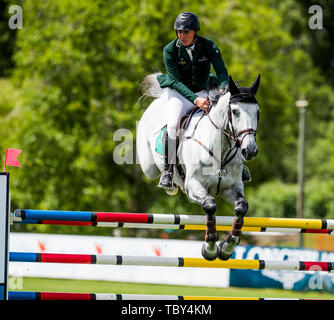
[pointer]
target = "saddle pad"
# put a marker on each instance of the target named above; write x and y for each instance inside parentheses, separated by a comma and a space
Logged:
(159, 142)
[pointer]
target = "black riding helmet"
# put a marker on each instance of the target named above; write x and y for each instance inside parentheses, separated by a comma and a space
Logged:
(187, 21)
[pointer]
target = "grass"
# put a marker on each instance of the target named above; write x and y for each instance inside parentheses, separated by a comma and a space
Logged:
(90, 286)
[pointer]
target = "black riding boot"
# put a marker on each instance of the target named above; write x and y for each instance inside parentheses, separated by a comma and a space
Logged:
(166, 179)
(246, 176)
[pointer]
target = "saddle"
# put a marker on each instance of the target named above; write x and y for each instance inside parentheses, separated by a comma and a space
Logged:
(185, 120)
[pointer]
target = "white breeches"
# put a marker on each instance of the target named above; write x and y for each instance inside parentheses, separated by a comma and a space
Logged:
(178, 106)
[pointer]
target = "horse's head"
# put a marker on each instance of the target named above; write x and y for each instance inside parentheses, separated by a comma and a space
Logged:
(243, 116)
(239, 113)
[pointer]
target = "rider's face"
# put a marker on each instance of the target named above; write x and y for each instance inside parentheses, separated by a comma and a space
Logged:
(186, 36)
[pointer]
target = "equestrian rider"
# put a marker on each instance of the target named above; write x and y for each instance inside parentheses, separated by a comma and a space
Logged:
(188, 61)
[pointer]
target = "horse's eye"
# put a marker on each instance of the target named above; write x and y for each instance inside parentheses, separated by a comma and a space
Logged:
(236, 112)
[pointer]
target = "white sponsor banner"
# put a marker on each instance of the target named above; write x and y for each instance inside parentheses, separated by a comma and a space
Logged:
(50, 243)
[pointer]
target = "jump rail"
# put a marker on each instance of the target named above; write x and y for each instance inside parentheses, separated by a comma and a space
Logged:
(169, 219)
(26, 295)
(171, 262)
(171, 226)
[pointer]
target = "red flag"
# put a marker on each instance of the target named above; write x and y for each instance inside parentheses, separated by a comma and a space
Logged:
(11, 158)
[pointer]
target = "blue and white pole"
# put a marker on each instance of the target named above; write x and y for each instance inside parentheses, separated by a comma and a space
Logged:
(4, 234)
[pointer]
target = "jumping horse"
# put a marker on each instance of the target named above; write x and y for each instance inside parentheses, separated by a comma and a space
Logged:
(210, 153)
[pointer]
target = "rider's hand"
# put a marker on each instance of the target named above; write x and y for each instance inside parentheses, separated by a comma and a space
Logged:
(202, 103)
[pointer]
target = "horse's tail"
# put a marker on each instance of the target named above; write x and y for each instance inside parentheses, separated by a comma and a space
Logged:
(150, 86)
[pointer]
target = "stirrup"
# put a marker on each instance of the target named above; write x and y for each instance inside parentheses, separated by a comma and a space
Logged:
(246, 175)
(166, 180)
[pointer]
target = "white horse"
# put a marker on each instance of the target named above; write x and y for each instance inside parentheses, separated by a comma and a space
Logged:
(211, 152)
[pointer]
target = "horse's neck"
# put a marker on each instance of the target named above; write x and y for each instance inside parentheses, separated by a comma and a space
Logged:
(219, 115)
(219, 112)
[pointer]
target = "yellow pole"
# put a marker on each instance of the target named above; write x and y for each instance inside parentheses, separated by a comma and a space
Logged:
(221, 228)
(230, 264)
(283, 223)
(217, 298)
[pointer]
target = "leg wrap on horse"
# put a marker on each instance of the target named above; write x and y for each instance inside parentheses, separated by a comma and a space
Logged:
(210, 249)
(236, 230)
(236, 227)
(211, 232)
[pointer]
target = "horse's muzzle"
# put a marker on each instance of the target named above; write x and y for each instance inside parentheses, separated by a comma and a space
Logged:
(249, 153)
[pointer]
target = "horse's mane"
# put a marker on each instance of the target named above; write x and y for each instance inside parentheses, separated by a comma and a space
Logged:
(215, 92)
(214, 95)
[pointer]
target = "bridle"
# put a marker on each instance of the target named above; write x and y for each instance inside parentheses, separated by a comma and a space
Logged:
(231, 136)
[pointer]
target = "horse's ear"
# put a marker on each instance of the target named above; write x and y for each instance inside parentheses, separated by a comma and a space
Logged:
(212, 83)
(255, 85)
(232, 87)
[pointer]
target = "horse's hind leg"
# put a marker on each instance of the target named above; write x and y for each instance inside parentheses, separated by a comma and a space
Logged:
(196, 193)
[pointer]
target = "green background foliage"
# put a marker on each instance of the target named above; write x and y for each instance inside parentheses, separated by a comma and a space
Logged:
(70, 79)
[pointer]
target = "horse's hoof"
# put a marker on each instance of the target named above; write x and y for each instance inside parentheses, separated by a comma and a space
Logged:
(223, 254)
(210, 254)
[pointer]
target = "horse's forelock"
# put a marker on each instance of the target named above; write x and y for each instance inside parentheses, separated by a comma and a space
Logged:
(215, 95)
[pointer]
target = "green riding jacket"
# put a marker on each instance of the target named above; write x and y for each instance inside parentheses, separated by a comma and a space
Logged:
(186, 76)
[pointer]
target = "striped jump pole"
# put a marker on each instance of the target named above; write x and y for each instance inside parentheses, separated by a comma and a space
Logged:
(4, 233)
(171, 262)
(169, 219)
(26, 295)
(172, 226)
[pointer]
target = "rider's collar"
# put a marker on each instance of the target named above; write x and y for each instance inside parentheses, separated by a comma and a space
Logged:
(180, 45)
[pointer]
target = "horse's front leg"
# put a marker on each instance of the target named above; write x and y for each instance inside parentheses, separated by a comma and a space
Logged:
(198, 194)
(240, 210)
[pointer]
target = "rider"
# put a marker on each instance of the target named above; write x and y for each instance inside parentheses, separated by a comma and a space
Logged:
(187, 60)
